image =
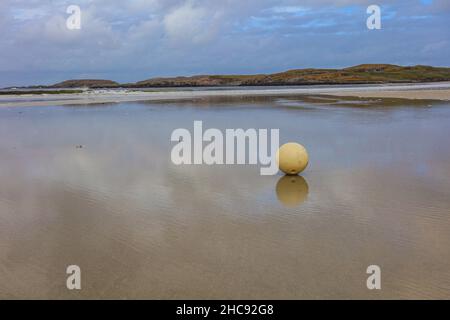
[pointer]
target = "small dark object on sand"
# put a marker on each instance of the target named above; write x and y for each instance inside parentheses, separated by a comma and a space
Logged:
(79, 146)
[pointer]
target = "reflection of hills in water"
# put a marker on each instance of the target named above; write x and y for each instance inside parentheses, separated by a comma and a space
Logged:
(292, 190)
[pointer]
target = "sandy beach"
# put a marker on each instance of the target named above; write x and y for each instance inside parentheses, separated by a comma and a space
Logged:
(428, 91)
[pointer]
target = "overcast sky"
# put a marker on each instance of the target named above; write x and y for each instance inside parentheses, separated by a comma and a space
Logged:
(133, 40)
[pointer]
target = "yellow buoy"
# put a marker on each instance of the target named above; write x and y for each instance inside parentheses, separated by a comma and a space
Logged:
(292, 158)
(292, 190)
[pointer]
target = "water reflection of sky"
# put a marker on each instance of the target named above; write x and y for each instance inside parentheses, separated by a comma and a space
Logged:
(376, 190)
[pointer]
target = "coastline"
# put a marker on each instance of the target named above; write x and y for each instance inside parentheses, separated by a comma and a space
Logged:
(425, 91)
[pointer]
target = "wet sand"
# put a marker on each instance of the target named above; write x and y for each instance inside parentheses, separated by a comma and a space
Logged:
(429, 91)
(377, 191)
(442, 94)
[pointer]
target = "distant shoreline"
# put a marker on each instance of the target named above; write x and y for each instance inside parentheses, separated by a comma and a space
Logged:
(363, 74)
(428, 91)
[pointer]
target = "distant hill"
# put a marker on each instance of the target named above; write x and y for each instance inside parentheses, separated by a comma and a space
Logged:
(88, 83)
(361, 74)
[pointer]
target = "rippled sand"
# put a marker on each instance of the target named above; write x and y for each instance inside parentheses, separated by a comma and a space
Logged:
(377, 192)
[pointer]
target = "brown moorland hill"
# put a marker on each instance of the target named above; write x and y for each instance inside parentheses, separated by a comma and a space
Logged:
(360, 74)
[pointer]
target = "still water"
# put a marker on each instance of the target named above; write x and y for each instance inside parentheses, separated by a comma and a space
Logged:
(376, 192)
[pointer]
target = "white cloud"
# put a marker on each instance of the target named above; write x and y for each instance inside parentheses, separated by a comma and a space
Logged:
(290, 9)
(193, 24)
